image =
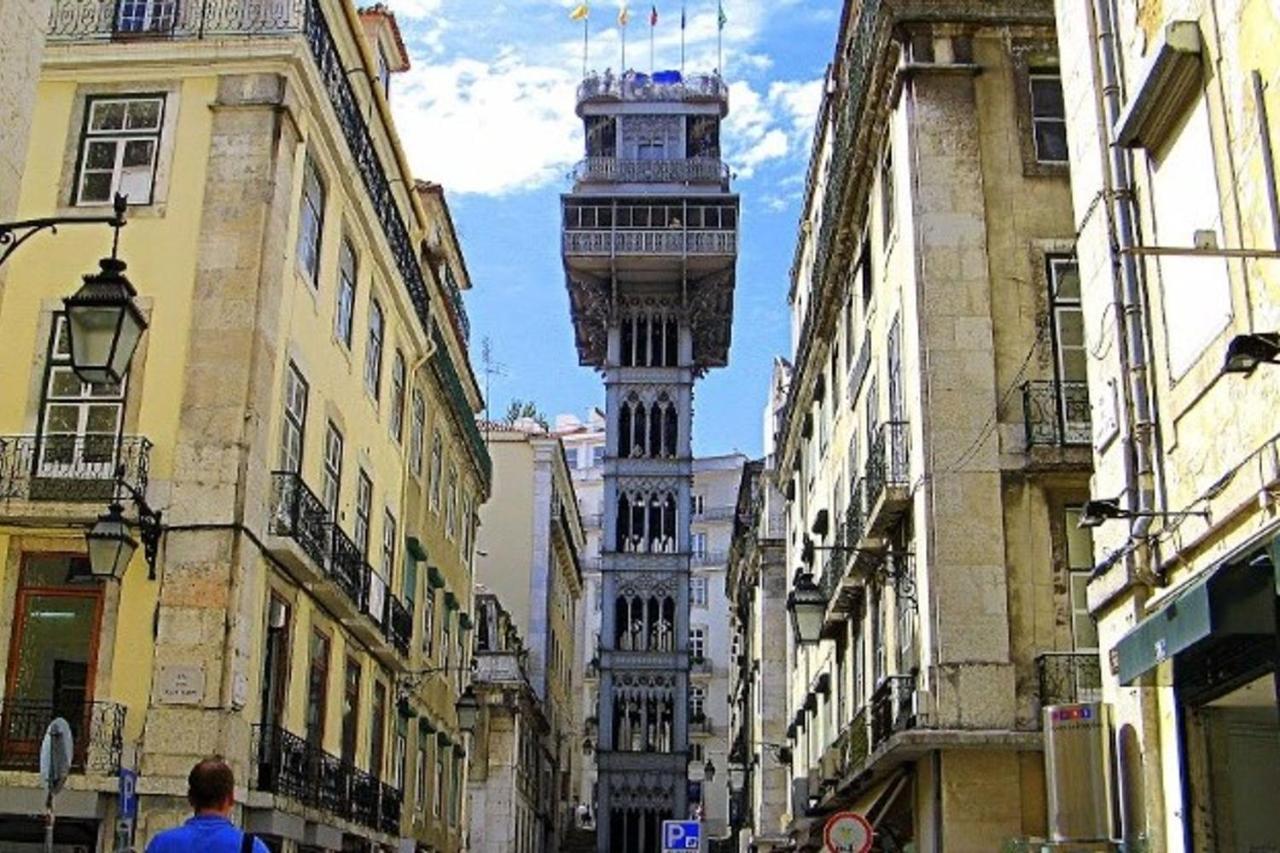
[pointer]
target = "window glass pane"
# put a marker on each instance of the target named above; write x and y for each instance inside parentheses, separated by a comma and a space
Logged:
(62, 418)
(137, 152)
(95, 187)
(107, 115)
(1079, 542)
(1046, 97)
(143, 114)
(55, 643)
(1051, 141)
(64, 383)
(1066, 280)
(100, 154)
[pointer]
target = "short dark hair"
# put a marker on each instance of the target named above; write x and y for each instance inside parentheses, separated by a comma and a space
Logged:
(210, 784)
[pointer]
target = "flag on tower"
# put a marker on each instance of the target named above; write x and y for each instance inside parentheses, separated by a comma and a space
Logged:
(579, 13)
(723, 19)
(624, 16)
(653, 16)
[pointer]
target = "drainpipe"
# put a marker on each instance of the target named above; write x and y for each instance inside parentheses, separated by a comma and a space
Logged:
(1140, 473)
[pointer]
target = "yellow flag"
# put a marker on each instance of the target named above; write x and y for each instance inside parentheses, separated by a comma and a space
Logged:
(579, 12)
(624, 16)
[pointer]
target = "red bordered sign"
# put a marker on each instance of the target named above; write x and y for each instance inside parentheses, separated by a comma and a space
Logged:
(848, 832)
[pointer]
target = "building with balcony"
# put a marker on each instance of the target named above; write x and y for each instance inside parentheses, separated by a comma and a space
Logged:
(933, 447)
(300, 410)
(650, 257)
(531, 537)
(1170, 112)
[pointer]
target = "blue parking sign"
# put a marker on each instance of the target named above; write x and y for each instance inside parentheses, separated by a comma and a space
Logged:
(681, 835)
(128, 794)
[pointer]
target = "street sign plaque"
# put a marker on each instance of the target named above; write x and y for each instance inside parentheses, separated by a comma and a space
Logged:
(681, 835)
(848, 832)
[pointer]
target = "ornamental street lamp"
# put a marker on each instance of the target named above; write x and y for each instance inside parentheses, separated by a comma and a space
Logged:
(111, 546)
(808, 606)
(468, 710)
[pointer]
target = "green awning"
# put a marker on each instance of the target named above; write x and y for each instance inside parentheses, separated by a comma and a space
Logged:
(464, 621)
(414, 546)
(443, 740)
(451, 601)
(434, 577)
(1235, 599)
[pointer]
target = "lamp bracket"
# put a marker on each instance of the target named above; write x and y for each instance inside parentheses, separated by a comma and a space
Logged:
(150, 521)
(14, 234)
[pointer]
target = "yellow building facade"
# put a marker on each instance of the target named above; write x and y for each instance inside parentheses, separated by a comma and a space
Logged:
(301, 411)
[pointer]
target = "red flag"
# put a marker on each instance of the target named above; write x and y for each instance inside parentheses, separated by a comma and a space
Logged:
(653, 16)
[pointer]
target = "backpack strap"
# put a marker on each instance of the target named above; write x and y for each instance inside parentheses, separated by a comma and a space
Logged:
(246, 843)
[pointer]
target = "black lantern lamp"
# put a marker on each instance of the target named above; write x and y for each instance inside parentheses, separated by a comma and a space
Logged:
(111, 547)
(468, 710)
(808, 606)
(104, 324)
(1246, 352)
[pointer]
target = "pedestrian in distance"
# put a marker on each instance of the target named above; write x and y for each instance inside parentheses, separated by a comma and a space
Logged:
(211, 790)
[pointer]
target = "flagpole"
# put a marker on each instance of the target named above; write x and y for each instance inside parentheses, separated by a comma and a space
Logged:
(585, 45)
(623, 69)
(720, 38)
(682, 25)
(651, 29)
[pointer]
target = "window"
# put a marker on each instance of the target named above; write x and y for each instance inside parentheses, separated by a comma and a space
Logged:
(698, 592)
(364, 512)
(451, 504)
(446, 636)
(1070, 356)
(311, 222)
(697, 643)
(388, 545)
(1048, 116)
(400, 754)
(350, 710)
(695, 752)
(437, 461)
(699, 504)
(378, 734)
(700, 546)
(428, 621)
(420, 773)
(332, 479)
(397, 396)
(275, 662)
(571, 458)
(118, 149)
(317, 687)
(697, 703)
(344, 317)
(1084, 631)
(80, 422)
(597, 455)
(888, 211)
(373, 350)
(417, 426)
(295, 420)
(455, 789)
(146, 16)
(384, 70)
(437, 799)
(465, 523)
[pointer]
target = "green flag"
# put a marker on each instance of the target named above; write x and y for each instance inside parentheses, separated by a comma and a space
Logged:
(724, 19)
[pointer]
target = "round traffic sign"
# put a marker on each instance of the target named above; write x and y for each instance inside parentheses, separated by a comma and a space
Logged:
(848, 832)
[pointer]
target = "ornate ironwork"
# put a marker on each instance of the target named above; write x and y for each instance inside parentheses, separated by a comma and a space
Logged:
(73, 468)
(14, 234)
(289, 766)
(298, 514)
(81, 20)
(887, 460)
(1069, 677)
(857, 743)
(97, 730)
(399, 624)
(892, 708)
(1057, 413)
(348, 569)
(448, 375)
(608, 243)
(614, 169)
(644, 87)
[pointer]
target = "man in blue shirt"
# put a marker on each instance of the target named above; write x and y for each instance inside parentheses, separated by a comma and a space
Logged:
(211, 791)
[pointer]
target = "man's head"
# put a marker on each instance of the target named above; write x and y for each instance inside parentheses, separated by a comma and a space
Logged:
(211, 787)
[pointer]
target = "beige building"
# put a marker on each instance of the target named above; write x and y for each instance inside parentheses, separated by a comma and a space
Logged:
(531, 538)
(1171, 113)
(300, 410)
(933, 446)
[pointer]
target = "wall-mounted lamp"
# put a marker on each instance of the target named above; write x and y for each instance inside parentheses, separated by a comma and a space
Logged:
(1246, 352)
(1096, 513)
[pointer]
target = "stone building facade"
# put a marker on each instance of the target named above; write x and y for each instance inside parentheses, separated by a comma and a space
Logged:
(301, 410)
(1171, 114)
(22, 26)
(531, 539)
(933, 445)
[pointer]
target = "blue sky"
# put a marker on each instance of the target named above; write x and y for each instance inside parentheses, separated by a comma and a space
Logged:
(487, 110)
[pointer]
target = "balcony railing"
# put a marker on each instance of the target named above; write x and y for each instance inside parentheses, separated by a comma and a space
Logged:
(71, 468)
(399, 624)
(856, 743)
(887, 461)
(1069, 677)
(691, 170)
(609, 243)
(289, 766)
(663, 86)
(348, 569)
(892, 708)
(76, 20)
(1057, 413)
(300, 515)
(97, 731)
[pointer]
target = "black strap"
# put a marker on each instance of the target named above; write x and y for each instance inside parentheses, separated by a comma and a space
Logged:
(246, 843)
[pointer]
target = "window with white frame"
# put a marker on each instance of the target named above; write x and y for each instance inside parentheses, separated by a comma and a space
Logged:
(697, 643)
(695, 752)
(331, 482)
(888, 200)
(397, 395)
(388, 545)
(295, 420)
(1084, 631)
(437, 466)
(373, 350)
(437, 798)
(451, 504)
(417, 426)
(345, 314)
(697, 702)
(80, 422)
(697, 592)
(311, 221)
(597, 455)
(1048, 116)
(465, 524)
(146, 16)
(429, 621)
(364, 512)
(420, 774)
(118, 149)
(699, 544)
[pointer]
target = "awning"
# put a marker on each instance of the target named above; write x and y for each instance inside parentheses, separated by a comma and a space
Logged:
(1166, 86)
(464, 621)
(1231, 600)
(434, 577)
(414, 546)
(451, 601)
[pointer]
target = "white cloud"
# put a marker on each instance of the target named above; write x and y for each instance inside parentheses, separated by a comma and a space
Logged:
(415, 8)
(773, 126)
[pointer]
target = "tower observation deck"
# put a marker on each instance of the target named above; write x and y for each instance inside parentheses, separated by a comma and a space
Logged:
(650, 244)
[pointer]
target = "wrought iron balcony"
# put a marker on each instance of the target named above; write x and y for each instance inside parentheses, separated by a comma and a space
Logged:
(893, 708)
(855, 743)
(1057, 413)
(663, 86)
(888, 470)
(300, 515)
(348, 569)
(650, 241)
(71, 468)
(97, 730)
(79, 20)
(399, 624)
(1069, 677)
(290, 767)
(694, 170)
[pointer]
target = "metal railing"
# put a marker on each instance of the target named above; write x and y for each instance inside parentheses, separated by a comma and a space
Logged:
(76, 20)
(348, 569)
(854, 520)
(297, 513)
(645, 87)
(399, 624)
(690, 170)
(887, 461)
(97, 731)
(1069, 677)
(892, 708)
(607, 243)
(857, 742)
(1057, 413)
(288, 766)
(71, 468)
